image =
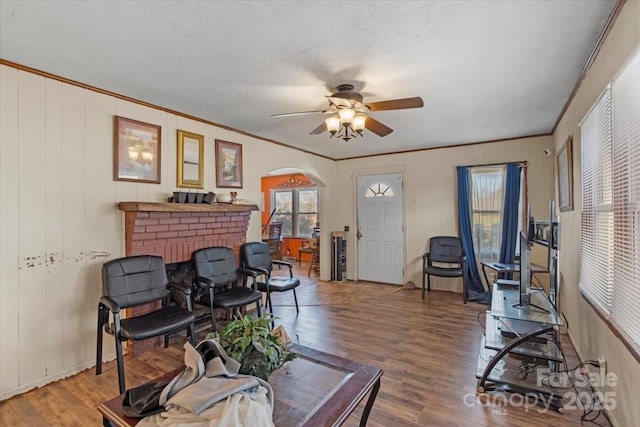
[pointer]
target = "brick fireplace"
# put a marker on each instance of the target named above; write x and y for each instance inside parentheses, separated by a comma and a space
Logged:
(174, 230)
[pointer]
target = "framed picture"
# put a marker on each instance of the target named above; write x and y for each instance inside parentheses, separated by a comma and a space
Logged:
(190, 160)
(136, 151)
(228, 164)
(564, 161)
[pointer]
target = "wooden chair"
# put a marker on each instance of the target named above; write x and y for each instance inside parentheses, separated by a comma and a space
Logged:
(275, 242)
(314, 265)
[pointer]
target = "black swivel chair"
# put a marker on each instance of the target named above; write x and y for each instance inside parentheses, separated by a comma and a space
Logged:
(132, 281)
(450, 261)
(255, 256)
(216, 281)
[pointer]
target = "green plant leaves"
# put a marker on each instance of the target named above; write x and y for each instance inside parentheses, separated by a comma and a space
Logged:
(250, 342)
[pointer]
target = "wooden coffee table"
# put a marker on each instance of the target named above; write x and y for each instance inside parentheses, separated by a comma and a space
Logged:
(315, 389)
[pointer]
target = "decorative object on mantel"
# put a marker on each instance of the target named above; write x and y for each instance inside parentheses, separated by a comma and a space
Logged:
(192, 197)
(136, 151)
(223, 198)
(232, 198)
(209, 198)
(228, 164)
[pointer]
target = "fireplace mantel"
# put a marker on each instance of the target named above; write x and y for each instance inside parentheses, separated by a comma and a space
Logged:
(184, 207)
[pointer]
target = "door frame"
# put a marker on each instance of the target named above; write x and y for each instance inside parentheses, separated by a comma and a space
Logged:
(400, 169)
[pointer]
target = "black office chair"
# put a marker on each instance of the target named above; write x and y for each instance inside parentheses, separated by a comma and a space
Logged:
(132, 281)
(255, 256)
(450, 261)
(216, 281)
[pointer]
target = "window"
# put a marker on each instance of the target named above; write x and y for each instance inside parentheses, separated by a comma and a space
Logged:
(486, 200)
(487, 197)
(379, 190)
(297, 209)
(283, 203)
(610, 230)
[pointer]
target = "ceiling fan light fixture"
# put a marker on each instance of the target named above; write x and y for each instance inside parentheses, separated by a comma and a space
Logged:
(349, 114)
(358, 122)
(333, 124)
(346, 116)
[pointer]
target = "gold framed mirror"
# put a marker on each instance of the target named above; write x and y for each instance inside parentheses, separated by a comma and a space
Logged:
(190, 160)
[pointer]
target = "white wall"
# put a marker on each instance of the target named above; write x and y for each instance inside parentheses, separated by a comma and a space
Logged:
(430, 193)
(59, 221)
(589, 334)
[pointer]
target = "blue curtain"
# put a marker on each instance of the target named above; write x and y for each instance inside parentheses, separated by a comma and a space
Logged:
(509, 234)
(475, 290)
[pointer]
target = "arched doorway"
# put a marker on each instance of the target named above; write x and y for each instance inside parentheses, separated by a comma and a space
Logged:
(293, 196)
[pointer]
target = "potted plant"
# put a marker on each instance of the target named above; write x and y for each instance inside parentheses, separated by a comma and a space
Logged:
(250, 343)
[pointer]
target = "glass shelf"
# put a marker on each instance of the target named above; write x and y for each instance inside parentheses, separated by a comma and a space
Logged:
(496, 341)
(504, 304)
(505, 376)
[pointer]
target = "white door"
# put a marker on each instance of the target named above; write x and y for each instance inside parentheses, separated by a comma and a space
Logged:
(380, 229)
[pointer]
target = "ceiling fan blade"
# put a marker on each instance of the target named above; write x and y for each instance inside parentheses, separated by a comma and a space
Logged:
(376, 127)
(300, 113)
(396, 104)
(319, 129)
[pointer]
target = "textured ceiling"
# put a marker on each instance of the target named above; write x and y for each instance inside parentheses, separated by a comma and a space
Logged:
(486, 69)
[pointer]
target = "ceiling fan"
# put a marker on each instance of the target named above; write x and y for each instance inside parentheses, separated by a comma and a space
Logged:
(349, 113)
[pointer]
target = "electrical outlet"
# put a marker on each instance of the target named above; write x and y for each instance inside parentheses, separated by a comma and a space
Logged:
(603, 366)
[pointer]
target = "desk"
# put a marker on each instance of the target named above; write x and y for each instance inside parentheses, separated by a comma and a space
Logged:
(319, 390)
(502, 268)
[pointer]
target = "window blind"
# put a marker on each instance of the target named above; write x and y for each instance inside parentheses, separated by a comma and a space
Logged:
(610, 231)
(596, 264)
(625, 93)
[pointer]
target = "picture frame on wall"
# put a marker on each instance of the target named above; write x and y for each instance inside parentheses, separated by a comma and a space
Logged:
(136, 151)
(564, 162)
(190, 165)
(228, 164)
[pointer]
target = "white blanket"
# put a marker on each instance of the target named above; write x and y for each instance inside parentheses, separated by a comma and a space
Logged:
(213, 395)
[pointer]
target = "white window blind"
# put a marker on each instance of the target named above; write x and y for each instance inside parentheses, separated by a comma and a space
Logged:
(610, 248)
(625, 92)
(596, 263)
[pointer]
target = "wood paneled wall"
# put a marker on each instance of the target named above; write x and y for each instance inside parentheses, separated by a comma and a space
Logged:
(59, 221)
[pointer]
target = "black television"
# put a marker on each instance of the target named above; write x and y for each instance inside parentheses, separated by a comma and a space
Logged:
(525, 270)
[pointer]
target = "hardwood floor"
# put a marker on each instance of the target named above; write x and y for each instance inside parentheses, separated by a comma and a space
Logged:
(428, 350)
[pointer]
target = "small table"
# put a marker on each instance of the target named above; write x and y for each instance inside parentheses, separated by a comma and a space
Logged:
(316, 388)
(502, 268)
